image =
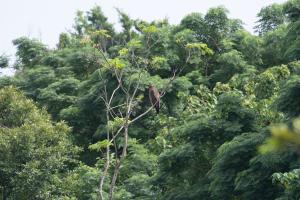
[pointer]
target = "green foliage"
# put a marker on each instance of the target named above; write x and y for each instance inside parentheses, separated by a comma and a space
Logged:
(80, 183)
(100, 145)
(117, 63)
(290, 182)
(64, 41)
(250, 46)
(292, 9)
(285, 139)
(29, 51)
(288, 101)
(256, 181)
(231, 159)
(34, 79)
(282, 137)
(34, 151)
(59, 95)
(4, 61)
(221, 88)
(270, 17)
(229, 64)
(267, 83)
(274, 46)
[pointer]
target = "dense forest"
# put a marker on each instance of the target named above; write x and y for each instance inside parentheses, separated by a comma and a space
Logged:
(76, 121)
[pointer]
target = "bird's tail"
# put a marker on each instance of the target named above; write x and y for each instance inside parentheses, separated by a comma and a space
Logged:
(157, 107)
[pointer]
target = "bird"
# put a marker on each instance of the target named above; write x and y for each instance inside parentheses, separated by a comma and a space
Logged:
(154, 97)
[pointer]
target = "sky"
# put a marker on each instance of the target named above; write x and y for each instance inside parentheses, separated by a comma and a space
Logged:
(46, 19)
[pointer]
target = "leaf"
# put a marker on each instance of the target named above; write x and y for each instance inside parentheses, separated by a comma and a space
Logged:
(134, 44)
(100, 145)
(150, 29)
(123, 52)
(202, 47)
(117, 63)
(100, 33)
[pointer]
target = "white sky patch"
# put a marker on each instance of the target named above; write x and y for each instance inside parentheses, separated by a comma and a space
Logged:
(7, 72)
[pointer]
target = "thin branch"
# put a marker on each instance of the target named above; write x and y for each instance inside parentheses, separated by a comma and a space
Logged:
(107, 163)
(129, 107)
(120, 105)
(113, 94)
(119, 162)
(116, 135)
(141, 115)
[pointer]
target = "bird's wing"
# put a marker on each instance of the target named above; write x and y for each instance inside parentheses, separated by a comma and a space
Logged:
(157, 99)
(156, 94)
(152, 97)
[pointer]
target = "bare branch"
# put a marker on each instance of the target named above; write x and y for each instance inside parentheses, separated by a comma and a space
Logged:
(107, 162)
(129, 105)
(119, 162)
(143, 114)
(116, 135)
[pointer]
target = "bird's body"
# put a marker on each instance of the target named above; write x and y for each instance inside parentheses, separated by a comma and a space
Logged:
(154, 97)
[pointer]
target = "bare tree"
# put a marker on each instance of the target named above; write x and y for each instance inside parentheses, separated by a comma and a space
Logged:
(123, 113)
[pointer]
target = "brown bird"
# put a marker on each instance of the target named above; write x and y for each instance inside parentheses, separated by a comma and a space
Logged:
(154, 97)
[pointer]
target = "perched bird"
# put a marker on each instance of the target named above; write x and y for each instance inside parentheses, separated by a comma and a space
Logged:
(154, 97)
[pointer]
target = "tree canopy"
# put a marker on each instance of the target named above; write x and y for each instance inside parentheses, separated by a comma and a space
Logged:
(76, 121)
